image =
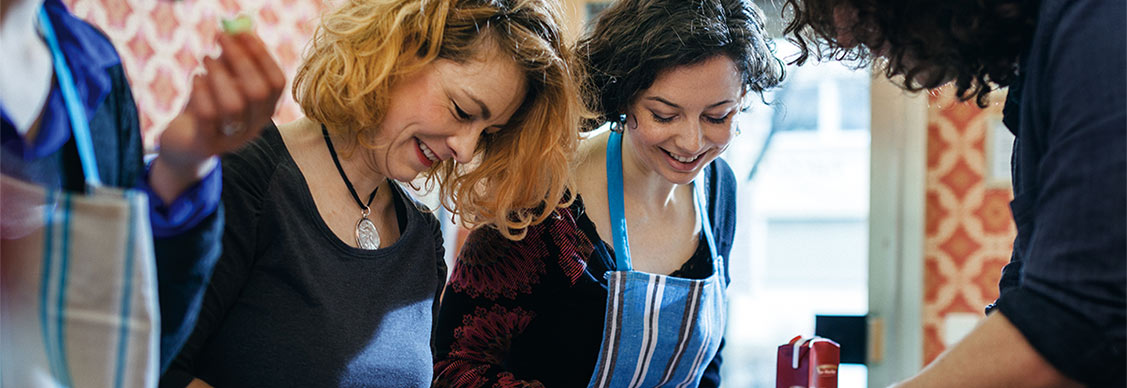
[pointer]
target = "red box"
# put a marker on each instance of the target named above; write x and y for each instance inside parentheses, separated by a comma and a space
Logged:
(808, 363)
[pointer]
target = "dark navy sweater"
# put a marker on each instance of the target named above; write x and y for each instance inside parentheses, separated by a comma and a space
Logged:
(1066, 285)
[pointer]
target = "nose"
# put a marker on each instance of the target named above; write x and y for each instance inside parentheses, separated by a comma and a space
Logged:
(464, 142)
(692, 136)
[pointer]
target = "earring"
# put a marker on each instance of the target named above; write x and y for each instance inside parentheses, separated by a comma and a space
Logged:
(618, 124)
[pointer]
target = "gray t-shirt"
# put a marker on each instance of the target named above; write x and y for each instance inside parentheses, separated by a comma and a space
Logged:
(289, 304)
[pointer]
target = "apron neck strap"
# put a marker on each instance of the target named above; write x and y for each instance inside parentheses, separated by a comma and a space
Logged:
(699, 196)
(616, 204)
(75, 111)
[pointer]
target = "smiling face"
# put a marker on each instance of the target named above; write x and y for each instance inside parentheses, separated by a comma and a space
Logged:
(685, 119)
(441, 111)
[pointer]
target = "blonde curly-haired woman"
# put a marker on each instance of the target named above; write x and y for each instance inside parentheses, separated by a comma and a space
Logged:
(330, 273)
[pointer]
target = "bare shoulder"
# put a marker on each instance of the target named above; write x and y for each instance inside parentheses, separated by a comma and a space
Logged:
(590, 170)
(299, 132)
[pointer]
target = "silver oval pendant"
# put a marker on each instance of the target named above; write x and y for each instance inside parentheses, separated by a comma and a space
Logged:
(366, 235)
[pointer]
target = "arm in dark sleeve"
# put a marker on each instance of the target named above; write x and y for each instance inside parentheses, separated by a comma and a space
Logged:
(1011, 272)
(1070, 304)
(184, 263)
(244, 182)
(473, 321)
(184, 259)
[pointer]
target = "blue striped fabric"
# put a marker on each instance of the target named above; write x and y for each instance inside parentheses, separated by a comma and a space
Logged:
(45, 288)
(60, 317)
(126, 295)
(660, 330)
(54, 282)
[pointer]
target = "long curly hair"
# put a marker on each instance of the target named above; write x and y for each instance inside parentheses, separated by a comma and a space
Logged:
(975, 43)
(633, 41)
(362, 47)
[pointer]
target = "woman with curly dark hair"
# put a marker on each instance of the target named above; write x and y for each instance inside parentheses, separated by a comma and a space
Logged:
(1060, 318)
(573, 304)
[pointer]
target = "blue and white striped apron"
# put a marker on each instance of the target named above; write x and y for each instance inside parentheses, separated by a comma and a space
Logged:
(78, 306)
(659, 330)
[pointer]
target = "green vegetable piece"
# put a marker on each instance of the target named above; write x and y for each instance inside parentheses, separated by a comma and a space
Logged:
(242, 23)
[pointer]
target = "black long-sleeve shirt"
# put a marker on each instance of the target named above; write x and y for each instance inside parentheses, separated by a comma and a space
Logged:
(1066, 285)
(291, 305)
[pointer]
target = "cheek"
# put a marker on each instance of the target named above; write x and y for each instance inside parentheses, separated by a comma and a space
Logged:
(722, 135)
(647, 134)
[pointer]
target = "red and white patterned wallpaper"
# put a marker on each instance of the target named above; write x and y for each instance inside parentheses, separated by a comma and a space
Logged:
(162, 42)
(968, 231)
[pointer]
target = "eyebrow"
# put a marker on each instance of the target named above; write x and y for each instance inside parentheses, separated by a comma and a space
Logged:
(667, 102)
(485, 113)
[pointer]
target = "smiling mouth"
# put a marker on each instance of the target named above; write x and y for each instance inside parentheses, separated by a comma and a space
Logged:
(427, 152)
(683, 159)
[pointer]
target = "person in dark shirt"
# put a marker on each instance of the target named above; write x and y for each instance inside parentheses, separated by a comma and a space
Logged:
(568, 305)
(1060, 317)
(330, 272)
(182, 182)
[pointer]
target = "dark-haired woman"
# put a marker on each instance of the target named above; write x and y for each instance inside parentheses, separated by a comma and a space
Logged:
(583, 300)
(1060, 318)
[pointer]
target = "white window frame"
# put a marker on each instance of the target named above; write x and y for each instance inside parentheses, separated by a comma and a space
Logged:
(898, 172)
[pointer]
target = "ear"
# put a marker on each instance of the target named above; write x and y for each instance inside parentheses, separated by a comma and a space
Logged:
(631, 122)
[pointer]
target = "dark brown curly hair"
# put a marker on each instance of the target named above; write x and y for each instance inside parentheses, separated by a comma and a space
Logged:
(633, 41)
(976, 43)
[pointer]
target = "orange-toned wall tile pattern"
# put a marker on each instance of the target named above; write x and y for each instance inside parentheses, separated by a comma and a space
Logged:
(969, 230)
(162, 43)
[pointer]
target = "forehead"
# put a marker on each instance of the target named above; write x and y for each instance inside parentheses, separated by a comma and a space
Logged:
(708, 82)
(490, 75)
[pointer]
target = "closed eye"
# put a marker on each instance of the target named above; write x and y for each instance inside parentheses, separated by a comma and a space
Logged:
(661, 119)
(462, 115)
(718, 120)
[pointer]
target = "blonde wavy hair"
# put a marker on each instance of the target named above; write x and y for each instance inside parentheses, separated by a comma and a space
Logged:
(521, 173)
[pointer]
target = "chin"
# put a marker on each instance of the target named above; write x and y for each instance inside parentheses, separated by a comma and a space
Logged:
(406, 177)
(679, 177)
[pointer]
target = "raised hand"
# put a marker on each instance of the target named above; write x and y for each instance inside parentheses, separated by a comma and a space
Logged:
(228, 106)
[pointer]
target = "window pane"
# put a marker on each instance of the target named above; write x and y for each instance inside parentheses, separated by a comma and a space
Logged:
(802, 228)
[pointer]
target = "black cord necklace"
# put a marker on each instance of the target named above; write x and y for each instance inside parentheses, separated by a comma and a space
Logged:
(367, 237)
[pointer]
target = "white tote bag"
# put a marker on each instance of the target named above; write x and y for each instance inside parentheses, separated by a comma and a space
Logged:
(78, 303)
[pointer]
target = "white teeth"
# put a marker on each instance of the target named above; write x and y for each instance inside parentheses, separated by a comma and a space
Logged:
(684, 160)
(427, 152)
